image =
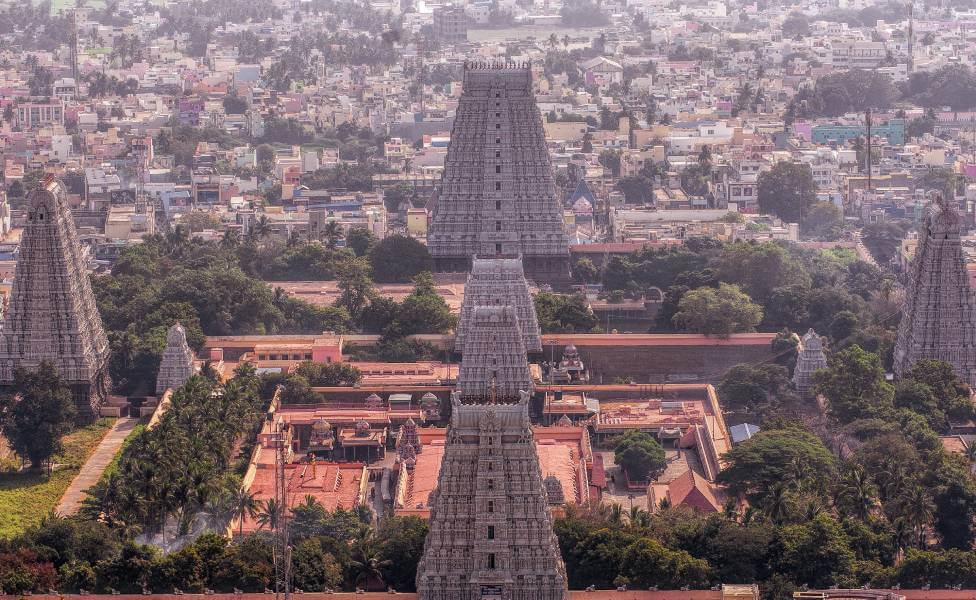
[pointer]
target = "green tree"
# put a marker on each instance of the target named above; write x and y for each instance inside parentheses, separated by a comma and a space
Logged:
(824, 221)
(639, 455)
(816, 553)
(423, 311)
(37, 413)
(854, 385)
(787, 454)
(788, 191)
(360, 240)
(398, 259)
(402, 545)
(329, 374)
(752, 393)
(721, 311)
(585, 271)
(314, 569)
(648, 563)
(559, 313)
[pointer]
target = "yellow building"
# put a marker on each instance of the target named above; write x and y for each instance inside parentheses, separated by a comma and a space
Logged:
(417, 222)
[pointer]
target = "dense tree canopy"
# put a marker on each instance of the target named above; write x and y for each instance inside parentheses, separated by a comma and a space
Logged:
(788, 191)
(36, 412)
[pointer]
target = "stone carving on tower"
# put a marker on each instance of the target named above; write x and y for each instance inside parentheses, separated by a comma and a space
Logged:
(490, 534)
(938, 320)
(493, 358)
(810, 358)
(497, 196)
(177, 363)
(500, 281)
(52, 313)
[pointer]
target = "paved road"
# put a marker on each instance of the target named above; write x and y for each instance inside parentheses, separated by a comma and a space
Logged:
(92, 470)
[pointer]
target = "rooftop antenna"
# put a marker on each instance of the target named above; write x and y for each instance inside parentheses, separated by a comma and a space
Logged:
(911, 37)
(73, 44)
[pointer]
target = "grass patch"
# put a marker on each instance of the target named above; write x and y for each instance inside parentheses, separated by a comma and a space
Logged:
(26, 497)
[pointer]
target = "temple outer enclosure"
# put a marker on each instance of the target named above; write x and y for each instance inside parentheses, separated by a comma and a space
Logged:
(493, 357)
(500, 281)
(490, 534)
(52, 314)
(497, 195)
(176, 365)
(811, 357)
(938, 320)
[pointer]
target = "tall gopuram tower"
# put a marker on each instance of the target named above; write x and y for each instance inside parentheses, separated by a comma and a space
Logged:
(177, 363)
(811, 357)
(499, 281)
(938, 320)
(490, 534)
(497, 195)
(52, 314)
(493, 358)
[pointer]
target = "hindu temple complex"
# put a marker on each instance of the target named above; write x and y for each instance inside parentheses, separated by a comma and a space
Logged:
(490, 528)
(52, 314)
(810, 358)
(938, 316)
(497, 194)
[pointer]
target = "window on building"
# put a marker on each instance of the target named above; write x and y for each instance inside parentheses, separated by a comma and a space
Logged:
(491, 506)
(498, 248)
(491, 561)
(498, 186)
(491, 532)
(498, 168)
(498, 204)
(498, 225)
(491, 484)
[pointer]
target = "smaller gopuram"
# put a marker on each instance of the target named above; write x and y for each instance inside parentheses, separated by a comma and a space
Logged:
(491, 535)
(500, 281)
(52, 314)
(810, 357)
(938, 319)
(177, 363)
(493, 358)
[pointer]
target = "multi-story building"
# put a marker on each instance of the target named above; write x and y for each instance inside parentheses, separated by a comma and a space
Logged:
(32, 115)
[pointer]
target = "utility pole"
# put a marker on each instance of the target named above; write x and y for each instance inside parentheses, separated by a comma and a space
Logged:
(911, 37)
(867, 119)
(73, 46)
(282, 553)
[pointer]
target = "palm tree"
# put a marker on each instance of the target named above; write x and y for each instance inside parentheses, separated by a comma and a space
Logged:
(553, 41)
(245, 506)
(262, 227)
(231, 239)
(332, 234)
(269, 514)
(778, 503)
(857, 492)
(918, 509)
(616, 514)
(367, 563)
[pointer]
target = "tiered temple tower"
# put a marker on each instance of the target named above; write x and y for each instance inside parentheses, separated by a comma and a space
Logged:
(810, 358)
(490, 532)
(497, 195)
(938, 320)
(52, 314)
(177, 364)
(500, 281)
(493, 358)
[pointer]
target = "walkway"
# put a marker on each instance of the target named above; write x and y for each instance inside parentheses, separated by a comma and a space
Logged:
(92, 470)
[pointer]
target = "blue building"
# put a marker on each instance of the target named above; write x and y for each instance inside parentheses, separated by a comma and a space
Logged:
(893, 131)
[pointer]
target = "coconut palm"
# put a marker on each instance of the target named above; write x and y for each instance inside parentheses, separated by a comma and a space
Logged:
(332, 234)
(778, 503)
(917, 508)
(366, 562)
(857, 493)
(269, 514)
(245, 506)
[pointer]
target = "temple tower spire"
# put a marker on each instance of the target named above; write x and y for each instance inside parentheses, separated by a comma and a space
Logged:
(938, 316)
(52, 314)
(497, 195)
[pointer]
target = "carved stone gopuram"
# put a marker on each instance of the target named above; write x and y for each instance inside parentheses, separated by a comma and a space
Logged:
(810, 358)
(491, 534)
(938, 320)
(177, 363)
(500, 281)
(493, 357)
(497, 195)
(52, 314)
